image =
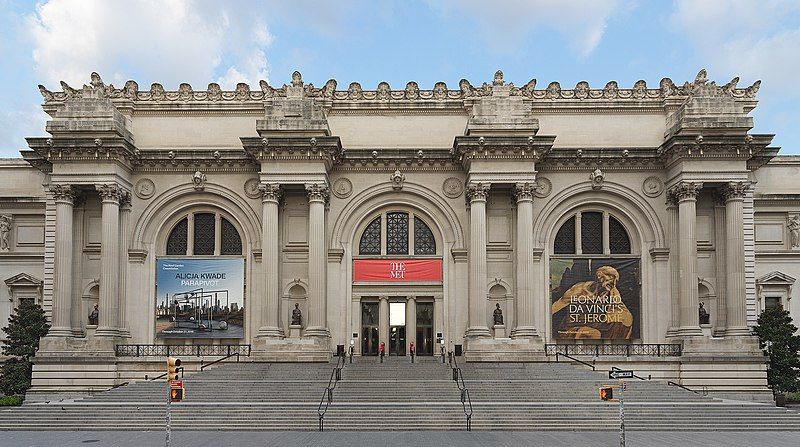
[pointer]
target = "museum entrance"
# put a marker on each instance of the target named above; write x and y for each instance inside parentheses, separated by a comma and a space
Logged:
(424, 335)
(369, 328)
(397, 328)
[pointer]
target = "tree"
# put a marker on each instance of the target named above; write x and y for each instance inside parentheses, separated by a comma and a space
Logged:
(25, 327)
(777, 338)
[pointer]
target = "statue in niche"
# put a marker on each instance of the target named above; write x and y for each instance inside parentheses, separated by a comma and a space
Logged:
(498, 315)
(794, 231)
(94, 315)
(297, 315)
(5, 229)
(705, 318)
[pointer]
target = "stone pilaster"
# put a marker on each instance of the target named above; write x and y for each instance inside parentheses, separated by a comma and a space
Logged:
(64, 196)
(108, 326)
(124, 222)
(383, 323)
(734, 259)
(411, 323)
(686, 194)
(721, 310)
(674, 265)
(270, 198)
(318, 195)
(525, 325)
(476, 196)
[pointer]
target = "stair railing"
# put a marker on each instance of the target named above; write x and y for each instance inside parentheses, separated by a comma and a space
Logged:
(590, 365)
(703, 393)
(327, 395)
(458, 377)
(206, 365)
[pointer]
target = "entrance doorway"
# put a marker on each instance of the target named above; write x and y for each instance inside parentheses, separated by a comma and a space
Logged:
(369, 328)
(397, 328)
(424, 336)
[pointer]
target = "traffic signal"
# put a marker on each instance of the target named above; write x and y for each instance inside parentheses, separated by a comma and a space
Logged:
(173, 366)
(606, 393)
(176, 394)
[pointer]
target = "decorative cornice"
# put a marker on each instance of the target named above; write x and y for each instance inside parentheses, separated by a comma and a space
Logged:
(752, 148)
(130, 92)
(46, 151)
(323, 148)
(468, 148)
(180, 160)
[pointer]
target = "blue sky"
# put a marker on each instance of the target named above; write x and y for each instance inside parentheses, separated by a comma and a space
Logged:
(196, 41)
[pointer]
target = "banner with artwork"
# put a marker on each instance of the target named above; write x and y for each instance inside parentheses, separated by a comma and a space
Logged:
(595, 299)
(200, 298)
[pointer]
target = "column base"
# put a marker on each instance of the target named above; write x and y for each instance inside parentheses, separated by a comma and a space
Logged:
(671, 332)
(689, 331)
(525, 332)
(478, 332)
(60, 332)
(105, 331)
(317, 331)
(741, 331)
(504, 350)
(270, 332)
(306, 349)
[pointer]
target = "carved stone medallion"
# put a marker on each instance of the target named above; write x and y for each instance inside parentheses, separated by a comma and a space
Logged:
(342, 188)
(652, 186)
(251, 188)
(144, 188)
(543, 187)
(453, 187)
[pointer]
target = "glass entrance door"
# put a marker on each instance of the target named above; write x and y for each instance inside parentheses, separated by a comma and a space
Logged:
(369, 328)
(397, 328)
(424, 335)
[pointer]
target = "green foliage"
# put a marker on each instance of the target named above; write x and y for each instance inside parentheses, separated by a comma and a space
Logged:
(25, 327)
(793, 397)
(10, 401)
(778, 340)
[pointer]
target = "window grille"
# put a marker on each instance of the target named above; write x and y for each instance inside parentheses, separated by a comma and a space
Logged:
(565, 238)
(370, 243)
(592, 233)
(397, 233)
(204, 233)
(618, 237)
(177, 240)
(231, 243)
(424, 242)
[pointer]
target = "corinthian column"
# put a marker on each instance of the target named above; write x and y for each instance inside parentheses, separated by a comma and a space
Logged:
(525, 326)
(734, 259)
(64, 196)
(108, 326)
(674, 265)
(686, 194)
(317, 319)
(124, 221)
(476, 195)
(270, 198)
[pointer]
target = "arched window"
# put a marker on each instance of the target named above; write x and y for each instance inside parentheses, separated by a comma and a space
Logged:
(204, 234)
(592, 233)
(399, 227)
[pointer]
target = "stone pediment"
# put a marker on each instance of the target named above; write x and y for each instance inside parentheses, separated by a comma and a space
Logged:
(775, 278)
(23, 280)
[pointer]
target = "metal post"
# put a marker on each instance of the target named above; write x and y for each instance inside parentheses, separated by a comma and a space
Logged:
(169, 414)
(621, 413)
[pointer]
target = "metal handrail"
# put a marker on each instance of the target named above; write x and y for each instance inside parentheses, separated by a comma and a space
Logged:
(649, 376)
(199, 350)
(466, 402)
(327, 395)
(704, 393)
(117, 386)
(204, 366)
(626, 349)
(180, 370)
(590, 365)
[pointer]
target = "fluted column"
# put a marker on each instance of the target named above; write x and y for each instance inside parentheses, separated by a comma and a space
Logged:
(64, 196)
(476, 196)
(721, 309)
(734, 259)
(686, 194)
(270, 198)
(674, 264)
(525, 325)
(109, 261)
(317, 320)
(124, 221)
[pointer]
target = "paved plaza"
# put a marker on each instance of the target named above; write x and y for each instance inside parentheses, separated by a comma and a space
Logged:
(377, 439)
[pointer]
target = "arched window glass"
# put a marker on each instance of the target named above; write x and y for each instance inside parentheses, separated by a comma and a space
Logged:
(397, 233)
(424, 242)
(370, 243)
(231, 243)
(204, 233)
(592, 233)
(619, 243)
(177, 241)
(565, 238)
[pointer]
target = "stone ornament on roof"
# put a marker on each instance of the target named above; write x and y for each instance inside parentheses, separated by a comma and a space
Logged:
(700, 87)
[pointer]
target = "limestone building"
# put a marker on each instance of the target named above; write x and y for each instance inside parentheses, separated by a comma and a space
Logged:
(505, 222)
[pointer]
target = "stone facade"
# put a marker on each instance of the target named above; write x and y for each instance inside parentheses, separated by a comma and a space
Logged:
(493, 173)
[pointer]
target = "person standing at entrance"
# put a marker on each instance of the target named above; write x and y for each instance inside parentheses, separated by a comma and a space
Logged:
(382, 350)
(412, 350)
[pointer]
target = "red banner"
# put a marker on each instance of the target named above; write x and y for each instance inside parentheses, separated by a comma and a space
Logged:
(397, 270)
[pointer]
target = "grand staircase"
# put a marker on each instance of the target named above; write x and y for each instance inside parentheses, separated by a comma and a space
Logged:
(397, 395)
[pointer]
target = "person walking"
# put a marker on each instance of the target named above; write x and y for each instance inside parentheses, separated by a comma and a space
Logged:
(382, 350)
(412, 350)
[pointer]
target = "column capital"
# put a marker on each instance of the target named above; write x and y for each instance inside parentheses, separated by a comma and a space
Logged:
(477, 191)
(64, 193)
(685, 191)
(110, 192)
(270, 192)
(523, 192)
(734, 190)
(317, 192)
(125, 200)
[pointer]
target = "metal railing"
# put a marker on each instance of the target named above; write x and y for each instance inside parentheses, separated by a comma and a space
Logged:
(327, 395)
(184, 350)
(703, 393)
(206, 365)
(642, 349)
(590, 365)
(466, 402)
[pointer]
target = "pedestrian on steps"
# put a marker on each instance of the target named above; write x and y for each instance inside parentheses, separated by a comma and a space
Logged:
(382, 350)
(412, 350)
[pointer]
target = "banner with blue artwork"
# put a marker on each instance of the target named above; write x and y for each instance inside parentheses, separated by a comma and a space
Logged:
(200, 298)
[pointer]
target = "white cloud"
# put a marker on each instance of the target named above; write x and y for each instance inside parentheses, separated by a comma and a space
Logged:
(506, 22)
(169, 42)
